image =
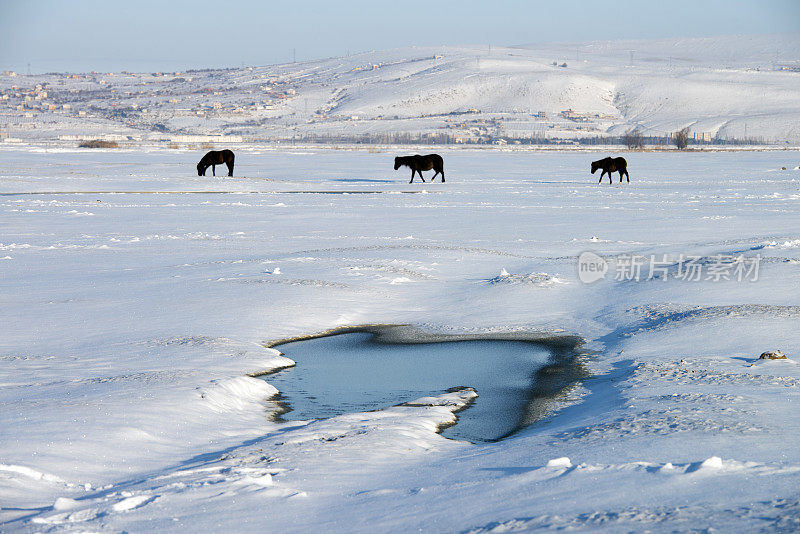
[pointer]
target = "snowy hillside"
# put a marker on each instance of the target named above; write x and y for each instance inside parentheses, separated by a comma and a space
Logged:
(721, 88)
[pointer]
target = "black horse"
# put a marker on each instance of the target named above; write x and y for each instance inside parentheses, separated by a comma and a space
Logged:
(610, 165)
(214, 158)
(418, 163)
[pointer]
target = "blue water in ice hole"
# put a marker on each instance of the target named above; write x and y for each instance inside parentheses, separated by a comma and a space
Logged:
(349, 372)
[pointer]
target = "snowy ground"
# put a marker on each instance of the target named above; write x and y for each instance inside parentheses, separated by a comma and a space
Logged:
(136, 298)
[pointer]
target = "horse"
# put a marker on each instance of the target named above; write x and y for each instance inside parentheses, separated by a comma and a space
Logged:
(610, 165)
(214, 158)
(418, 163)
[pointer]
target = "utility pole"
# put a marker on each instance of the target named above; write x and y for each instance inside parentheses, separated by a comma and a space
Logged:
(294, 55)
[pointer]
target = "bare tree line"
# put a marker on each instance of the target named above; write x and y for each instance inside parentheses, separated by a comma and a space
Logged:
(632, 139)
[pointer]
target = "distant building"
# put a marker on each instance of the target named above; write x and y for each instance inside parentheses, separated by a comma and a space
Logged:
(106, 137)
(574, 116)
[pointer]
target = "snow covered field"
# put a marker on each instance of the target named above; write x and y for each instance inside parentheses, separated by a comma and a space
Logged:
(136, 298)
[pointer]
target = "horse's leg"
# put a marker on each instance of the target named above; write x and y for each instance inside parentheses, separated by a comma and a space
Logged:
(627, 176)
(421, 177)
(213, 170)
(230, 169)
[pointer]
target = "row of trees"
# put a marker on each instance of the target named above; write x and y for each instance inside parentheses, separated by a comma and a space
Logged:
(633, 139)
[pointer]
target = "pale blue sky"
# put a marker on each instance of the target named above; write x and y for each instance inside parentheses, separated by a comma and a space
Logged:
(152, 35)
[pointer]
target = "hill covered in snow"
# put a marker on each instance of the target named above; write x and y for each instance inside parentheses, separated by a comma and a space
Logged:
(738, 87)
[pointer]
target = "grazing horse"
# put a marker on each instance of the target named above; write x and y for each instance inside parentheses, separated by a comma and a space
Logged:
(610, 165)
(214, 158)
(418, 163)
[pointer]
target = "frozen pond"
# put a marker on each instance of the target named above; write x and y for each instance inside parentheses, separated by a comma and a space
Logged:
(353, 372)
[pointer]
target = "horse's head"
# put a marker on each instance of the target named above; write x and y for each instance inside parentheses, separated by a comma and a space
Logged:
(201, 169)
(397, 163)
(595, 166)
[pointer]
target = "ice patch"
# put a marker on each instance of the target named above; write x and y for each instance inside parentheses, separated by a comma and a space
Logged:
(532, 279)
(14, 246)
(30, 473)
(237, 394)
(75, 517)
(715, 462)
(65, 503)
(559, 462)
(257, 479)
(132, 503)
(792, 243)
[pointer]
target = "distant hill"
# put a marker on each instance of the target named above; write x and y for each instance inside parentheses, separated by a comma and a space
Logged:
(720, 87)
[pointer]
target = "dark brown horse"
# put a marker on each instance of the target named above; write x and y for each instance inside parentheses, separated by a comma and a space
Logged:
(418, 163)
(610, 165)
(214, 158)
